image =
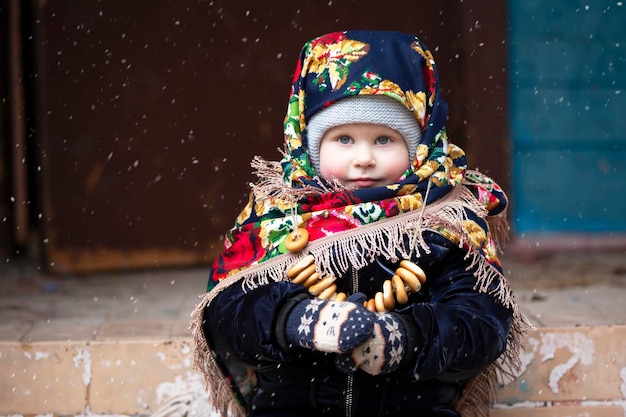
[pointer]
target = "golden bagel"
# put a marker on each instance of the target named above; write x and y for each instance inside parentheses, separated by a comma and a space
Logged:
(415, 269)
(297, 240)
(300, 266)
(409, 279)
(328, 292)
(302, 276)
(400, 291)
(379, 302)
(326, 282)
(388, 299)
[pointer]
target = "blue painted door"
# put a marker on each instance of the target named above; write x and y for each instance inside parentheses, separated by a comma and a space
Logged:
(568, 115)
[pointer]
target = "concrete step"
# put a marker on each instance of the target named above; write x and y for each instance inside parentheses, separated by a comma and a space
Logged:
(568, 371)
(118, 344)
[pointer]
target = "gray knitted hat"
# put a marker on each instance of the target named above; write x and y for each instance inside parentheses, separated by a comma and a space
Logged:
(377, 109)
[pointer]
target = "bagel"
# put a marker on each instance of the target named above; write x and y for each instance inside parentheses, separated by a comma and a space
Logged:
(328, 292)
(388, 298)
(379, 302)
(304, 275)
(415, 269)
(326, 282)
(314, 278)
(401, 295)
(409, 279)
(340, 297)
(297, 240)
(300, 266)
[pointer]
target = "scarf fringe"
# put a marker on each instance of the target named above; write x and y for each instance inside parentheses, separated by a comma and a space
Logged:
(498, 224)
(270, 183)
(219, 387)
(499, 228)
(336, 255)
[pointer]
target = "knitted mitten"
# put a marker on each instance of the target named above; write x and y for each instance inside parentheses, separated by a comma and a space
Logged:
(382, 353)
(328, 326)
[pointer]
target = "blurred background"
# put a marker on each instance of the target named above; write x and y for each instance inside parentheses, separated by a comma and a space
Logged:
(127, 128)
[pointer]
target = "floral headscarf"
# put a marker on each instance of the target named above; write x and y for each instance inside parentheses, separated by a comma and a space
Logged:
(291, 194)
(348, 228)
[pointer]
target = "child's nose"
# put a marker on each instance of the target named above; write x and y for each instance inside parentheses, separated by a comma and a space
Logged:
(364, 157)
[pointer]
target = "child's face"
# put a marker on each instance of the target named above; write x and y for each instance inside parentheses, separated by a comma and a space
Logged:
(361, 155)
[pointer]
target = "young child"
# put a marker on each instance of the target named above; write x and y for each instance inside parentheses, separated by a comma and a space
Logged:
(362, 277)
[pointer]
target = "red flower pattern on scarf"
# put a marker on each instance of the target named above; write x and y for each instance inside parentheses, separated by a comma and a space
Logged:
(330, 222)
(328, 201)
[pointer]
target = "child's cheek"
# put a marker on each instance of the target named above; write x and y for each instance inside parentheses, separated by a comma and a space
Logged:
(332, 162)
(328, 172)
(394, 172)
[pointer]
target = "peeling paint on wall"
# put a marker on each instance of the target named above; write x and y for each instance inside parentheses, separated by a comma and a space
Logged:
(190, 381)
(580, 345)
(83, 355)
(186, 395)
(41, 355)
(178, 359)
(574, 371)
(36, 355)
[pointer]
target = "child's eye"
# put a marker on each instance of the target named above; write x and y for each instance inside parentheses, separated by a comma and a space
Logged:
(344, 140)
(383, 140)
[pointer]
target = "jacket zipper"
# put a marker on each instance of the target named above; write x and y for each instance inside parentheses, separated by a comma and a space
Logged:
(350, 377)
(349, 394)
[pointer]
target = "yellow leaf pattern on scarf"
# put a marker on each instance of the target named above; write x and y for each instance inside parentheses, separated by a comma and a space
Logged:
(264, 206)
(475, 233)
(421, 153)
(385, 86)
(407, 189)
(335, 58)
(417, 104)
(427, 169)
(247, 210)
(410, 202)
(428, 57)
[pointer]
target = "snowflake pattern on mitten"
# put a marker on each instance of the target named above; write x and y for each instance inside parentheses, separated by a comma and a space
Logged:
(329, 326)
(382, 353)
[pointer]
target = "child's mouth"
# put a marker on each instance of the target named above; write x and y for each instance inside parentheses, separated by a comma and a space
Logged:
(364, 182)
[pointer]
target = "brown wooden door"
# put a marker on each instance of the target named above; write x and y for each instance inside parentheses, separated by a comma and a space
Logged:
(150, 111)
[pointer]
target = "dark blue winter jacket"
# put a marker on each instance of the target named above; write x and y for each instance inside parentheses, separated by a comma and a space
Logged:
(458, 331)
